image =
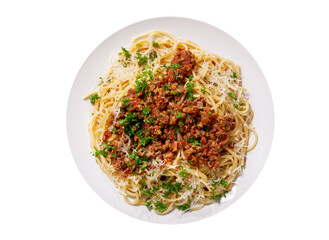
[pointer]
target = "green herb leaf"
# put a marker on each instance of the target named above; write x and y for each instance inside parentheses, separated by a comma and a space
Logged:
(155, 44)
(183, 173)
(160, 206)
(184, 207)
(155, 189)
(101, 152)
(234, 75)
(153, 55)
(142, 183)
(193, 140)
(125, 101)
(175, 65)
(142, 60)
(143, 167)
(145, 140)
(232, 95)
(178, 114)
(138, 160)
(190, 87)
(141, 86)
(149, 206)
(223, 182)
(146, 111)
(126, 53)
(217, 196)
(203, 89)
(177, 187)
(145, 191)
(93, 98)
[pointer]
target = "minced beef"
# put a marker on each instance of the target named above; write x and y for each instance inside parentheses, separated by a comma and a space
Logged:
(153, 117)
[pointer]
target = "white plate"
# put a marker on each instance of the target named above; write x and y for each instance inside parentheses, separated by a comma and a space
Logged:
(207, 37)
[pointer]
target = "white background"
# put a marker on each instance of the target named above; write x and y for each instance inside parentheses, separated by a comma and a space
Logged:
(43, 45)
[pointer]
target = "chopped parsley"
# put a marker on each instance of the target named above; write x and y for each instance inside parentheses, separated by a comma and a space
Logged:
(190, 87)
(155, 189)
(146, 111)
(138, 160)
(184, 207)
(176, 92)
(203, 89)
(155, 44)
(149, 206)
(104, 153)
(194, 141)
(219, 73)
(160, 206)
(149, 120)
(153, 55)
(178, 114)
(164, 65)
(142, 60)
(183, 173)
(175, 65)
(145, 140)
(232, 95)
(129, 119)
(143, 167)
(234, 75)
(217, 196)
(114, 130)
(165, 86)
(142, 183)
(93, 98)
(177, 187)
(126, 53)
(125, 101)
(141, 86)
(145, 191)
(223, 182)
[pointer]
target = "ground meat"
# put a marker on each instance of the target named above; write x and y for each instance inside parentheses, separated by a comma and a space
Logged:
(107, 135)
(150, 120)
(168, 157)
(190, 110)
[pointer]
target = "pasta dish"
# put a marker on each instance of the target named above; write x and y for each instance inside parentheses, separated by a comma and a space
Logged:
(170, 124)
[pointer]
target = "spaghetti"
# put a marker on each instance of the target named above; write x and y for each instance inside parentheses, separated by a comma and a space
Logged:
(170, 124)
